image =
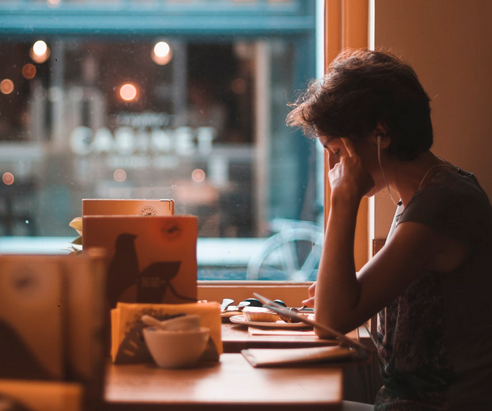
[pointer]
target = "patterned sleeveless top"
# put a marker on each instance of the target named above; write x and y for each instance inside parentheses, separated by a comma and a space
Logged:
(438, 345)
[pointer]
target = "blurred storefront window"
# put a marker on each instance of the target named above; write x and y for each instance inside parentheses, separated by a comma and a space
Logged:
(159, 99)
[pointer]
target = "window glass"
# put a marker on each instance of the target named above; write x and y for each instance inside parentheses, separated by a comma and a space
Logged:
(196, 117)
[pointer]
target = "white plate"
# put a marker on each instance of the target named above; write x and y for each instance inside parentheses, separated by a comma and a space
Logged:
(228, 314)
(239, 319)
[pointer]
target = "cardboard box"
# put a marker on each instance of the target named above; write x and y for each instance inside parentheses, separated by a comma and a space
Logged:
(127, 207)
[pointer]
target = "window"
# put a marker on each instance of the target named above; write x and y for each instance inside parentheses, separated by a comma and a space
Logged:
(163, 99)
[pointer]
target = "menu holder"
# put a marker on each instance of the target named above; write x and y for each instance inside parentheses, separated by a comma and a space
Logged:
(86, 323)
(18, 395)
(51, 327)
(32, 318)
(150, 259)
(128, 344)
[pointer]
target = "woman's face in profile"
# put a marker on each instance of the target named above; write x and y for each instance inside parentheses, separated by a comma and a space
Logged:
(364, 148)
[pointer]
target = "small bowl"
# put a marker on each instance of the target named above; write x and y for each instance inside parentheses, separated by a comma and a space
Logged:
(176, 349)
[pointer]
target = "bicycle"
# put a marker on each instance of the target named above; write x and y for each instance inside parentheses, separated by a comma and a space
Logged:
(292, 254)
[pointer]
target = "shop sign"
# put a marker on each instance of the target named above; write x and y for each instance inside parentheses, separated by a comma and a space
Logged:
(182, 141)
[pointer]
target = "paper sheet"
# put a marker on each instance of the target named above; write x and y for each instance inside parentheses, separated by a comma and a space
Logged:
(291, 356)
(270, 331)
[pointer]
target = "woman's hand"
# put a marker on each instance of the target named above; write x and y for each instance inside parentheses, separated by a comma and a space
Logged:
(348, 177)
(310, 301)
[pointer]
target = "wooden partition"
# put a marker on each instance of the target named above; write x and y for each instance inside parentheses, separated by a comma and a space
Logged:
(347, 26)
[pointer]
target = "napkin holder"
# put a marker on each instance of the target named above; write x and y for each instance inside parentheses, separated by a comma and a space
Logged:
(128, 345)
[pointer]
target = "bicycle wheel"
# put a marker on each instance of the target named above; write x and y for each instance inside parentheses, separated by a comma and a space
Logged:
(292, 254)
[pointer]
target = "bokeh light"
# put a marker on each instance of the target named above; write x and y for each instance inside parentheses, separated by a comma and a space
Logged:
(8, 178)
(162, 53)
(53, 3)
(238, 86)
(7, 86)
(40, 47)
(119, 175)
(39, 51)
(162, 49)
(28, 71)
(128, 92)
(198, 175)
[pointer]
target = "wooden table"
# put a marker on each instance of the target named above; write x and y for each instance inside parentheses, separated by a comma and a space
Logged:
(360, 380)
(231, 384)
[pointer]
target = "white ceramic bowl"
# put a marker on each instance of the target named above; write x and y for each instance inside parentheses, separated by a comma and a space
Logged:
(176, 349)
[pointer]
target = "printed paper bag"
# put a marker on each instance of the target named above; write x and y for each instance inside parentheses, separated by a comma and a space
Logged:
(150, 259)
(128, 344)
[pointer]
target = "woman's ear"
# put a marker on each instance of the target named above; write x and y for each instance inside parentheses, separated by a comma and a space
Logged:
(382, 141)
(380, 137)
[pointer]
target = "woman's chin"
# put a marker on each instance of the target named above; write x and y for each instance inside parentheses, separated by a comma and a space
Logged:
(372, 192)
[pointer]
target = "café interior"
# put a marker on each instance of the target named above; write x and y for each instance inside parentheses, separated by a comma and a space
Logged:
(152, 195)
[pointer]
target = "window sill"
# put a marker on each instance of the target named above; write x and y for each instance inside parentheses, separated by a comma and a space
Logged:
(290, 293)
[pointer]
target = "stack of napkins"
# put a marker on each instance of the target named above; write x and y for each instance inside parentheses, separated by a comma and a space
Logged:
(127, 341)
(51, 322)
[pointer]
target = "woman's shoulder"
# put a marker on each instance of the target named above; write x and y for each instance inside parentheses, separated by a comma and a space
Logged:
(454, 203)
(451, 186)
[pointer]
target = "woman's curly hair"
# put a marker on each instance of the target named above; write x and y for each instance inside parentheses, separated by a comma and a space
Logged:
(361, 88)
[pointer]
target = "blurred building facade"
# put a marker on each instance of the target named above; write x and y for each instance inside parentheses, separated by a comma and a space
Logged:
(155, 99)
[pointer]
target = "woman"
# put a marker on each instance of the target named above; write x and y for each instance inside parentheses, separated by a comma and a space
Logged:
(431, 281)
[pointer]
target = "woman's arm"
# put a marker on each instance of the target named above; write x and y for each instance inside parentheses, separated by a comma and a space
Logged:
(344, 300)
